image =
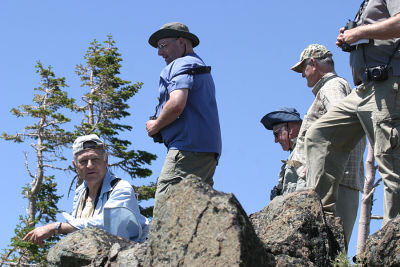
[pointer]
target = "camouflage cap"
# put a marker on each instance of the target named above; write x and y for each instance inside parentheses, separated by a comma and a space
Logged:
(313, 50)
(86, 141)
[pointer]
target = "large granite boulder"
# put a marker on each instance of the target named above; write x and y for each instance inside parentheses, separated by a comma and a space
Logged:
(383, 247)
(196, 226)
(295, 229)
(199, 226)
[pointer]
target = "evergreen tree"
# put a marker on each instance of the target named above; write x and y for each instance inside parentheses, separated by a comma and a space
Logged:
(49, 140)
(105, 105)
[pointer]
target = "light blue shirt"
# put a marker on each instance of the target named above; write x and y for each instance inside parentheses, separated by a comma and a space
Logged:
(116, 212)
(197, 129)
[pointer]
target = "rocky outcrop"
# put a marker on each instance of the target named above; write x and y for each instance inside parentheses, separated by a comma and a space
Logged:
(199, 226)
(383, 247)
(295, 229)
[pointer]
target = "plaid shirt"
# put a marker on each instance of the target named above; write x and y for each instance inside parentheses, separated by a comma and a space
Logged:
(329, 90)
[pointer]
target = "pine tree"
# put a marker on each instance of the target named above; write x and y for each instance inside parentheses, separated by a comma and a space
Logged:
(49, 138)
(105, 105)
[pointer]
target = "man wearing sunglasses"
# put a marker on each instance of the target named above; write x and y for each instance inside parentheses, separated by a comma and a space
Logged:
(285, 123)
(186, 118)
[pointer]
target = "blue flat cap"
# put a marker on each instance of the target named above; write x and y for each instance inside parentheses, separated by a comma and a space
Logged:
(281, 115)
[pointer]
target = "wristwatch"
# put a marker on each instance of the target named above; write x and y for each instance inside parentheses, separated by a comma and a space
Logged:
(57, 227)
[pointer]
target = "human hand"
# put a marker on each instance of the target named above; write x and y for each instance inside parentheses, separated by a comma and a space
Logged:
(152, 127)
(339, 39)
(39, 234)
(348, 36)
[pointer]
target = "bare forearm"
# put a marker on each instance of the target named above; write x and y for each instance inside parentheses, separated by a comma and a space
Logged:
(169, 113)
(66, 228)
(387, 29)
(41, 233)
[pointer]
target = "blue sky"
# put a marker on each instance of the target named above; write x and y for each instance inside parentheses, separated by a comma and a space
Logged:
(250, 45)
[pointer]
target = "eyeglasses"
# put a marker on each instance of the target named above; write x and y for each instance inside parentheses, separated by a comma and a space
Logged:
(165, 45)
(278, 132)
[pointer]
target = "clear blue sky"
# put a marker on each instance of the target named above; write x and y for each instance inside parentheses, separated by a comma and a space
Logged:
(250, 45)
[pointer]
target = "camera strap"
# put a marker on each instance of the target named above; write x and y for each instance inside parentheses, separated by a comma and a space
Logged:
(361, 10)
(390, 58)
(356, 19)
(192, 71)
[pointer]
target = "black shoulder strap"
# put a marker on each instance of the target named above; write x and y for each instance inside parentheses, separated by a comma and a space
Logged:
(192, 71)
(360, 11)
(113, 185)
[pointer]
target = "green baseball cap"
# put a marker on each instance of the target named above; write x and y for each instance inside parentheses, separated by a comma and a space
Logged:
(173, 29)
(313, 50)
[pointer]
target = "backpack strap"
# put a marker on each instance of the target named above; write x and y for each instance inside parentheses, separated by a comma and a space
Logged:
(113, 185)
(194, 71)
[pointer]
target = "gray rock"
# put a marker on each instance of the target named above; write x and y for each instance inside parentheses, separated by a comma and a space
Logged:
(383, 247)
(294, 226)
(88, 247)
(132, 257)
(287, 261)
(199, 226)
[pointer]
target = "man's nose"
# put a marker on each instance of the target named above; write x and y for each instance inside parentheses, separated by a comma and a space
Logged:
(90, 163)
(160, 52)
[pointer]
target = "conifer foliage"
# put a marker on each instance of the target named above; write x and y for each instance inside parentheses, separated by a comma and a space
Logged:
(49, 138)
(105, 105)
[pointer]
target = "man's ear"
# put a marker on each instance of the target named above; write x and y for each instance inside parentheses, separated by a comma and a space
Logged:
(73, 164)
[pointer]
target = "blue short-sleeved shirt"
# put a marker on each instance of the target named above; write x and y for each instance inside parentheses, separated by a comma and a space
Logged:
(197, 129)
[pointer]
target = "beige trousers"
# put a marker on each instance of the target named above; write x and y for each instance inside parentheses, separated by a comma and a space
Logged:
(346, 208)
(374, 109)
(179, 164)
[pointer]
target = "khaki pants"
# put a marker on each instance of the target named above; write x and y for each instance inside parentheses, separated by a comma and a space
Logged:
(374, 109)
(346, 209)
(179, 164)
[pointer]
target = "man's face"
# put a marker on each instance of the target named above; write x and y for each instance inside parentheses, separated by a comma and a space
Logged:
(281, 135)
(91, 166)
(310, 73)
(169, 49)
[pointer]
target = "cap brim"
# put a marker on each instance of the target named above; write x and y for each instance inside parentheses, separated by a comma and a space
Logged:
(267, 122)
(298, 67)
(166, 33)
(277, 117)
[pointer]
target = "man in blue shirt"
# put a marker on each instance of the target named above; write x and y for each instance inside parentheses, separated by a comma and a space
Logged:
(102, 200)
(187, 114)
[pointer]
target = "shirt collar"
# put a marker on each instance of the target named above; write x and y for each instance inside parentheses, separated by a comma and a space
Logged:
(294, 140)
(322, 82)
(106, 185)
